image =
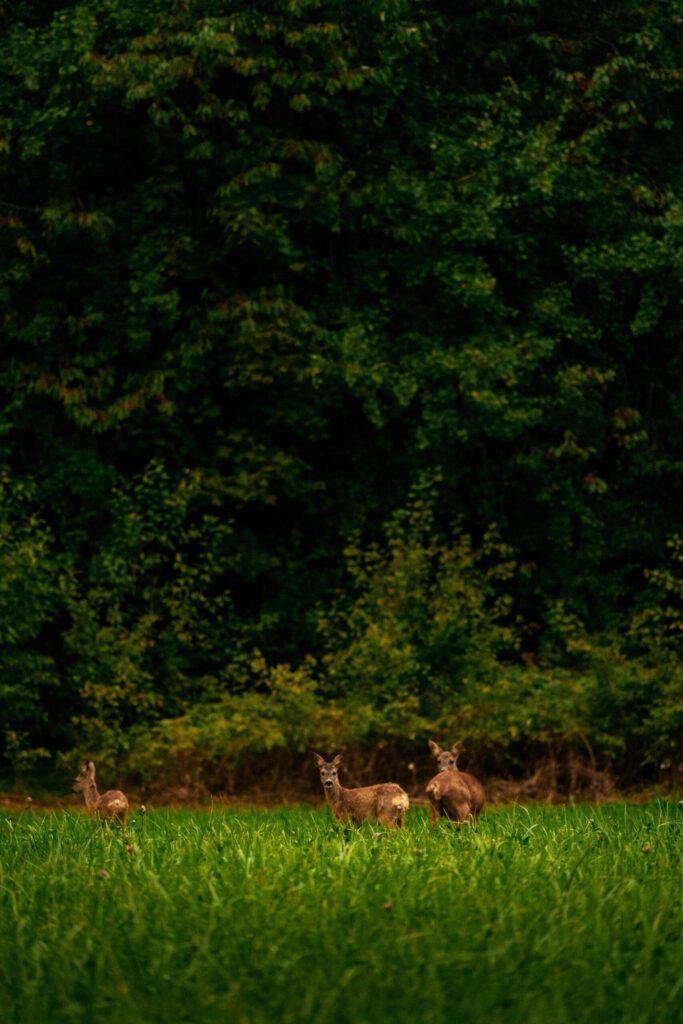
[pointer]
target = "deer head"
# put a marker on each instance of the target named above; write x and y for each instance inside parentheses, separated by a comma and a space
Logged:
(447, 760)
(328, 770)
(85, 778)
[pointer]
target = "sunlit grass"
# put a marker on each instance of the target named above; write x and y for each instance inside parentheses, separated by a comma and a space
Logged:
(537, 915)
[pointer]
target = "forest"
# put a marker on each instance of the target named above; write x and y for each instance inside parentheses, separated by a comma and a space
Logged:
(341, 388)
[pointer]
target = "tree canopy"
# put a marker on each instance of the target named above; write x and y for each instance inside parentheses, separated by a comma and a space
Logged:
(341, 376)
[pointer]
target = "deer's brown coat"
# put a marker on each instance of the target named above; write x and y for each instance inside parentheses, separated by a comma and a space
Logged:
(112, 804)
(453, 794)
(384, 803)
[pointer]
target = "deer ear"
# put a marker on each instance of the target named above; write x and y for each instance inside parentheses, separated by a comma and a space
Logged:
(435, 748)
(91, 769)
(320, 761)
(336, 761)
(456, 748)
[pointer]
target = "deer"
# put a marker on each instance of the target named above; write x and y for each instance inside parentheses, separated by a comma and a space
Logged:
(384, 803)
(112, 805)
(453, 794)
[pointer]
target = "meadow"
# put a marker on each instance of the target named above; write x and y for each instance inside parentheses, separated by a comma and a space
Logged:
(538, 914)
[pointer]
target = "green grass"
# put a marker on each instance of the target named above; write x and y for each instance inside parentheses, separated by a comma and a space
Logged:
(537, 915)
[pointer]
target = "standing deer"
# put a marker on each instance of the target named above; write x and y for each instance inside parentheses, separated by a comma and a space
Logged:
(112, 804)
(386, 802)
(453, 794)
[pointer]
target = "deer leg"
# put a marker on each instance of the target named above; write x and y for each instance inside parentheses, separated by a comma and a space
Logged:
(457, 813)
(463, 812)
(435, 814)
(391, 818)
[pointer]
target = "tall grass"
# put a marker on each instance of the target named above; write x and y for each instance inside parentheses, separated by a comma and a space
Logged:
(537, 915)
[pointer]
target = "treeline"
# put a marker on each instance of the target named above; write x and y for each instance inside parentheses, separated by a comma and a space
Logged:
(341, 382)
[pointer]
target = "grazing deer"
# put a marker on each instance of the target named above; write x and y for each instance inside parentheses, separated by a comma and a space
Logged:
(453, 794)
(112, 804)
(386, 802)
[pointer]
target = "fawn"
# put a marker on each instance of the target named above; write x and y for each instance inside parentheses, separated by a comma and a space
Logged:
(112, 804)
(453, 794)
(386, 802)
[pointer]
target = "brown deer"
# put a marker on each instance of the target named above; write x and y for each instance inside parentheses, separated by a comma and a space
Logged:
(113, 804)
(453, 794)
(386, 802)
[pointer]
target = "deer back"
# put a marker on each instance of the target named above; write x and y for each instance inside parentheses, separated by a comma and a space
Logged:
(450, 795)
(373, 803)
(111, 804)
(447, 760)
(477, 791)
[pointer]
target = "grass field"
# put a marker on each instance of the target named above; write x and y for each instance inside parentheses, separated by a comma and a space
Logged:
(537, 915)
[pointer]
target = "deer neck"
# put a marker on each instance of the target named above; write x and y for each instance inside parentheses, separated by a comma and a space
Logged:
(91, 796)
(334, 794)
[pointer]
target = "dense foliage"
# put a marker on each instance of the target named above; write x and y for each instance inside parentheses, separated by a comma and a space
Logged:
(341, 378)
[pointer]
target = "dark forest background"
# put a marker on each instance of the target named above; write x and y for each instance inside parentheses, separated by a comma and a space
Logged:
(341, 376)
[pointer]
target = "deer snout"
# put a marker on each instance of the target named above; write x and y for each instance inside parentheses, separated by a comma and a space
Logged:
(328, 783)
